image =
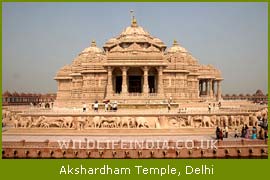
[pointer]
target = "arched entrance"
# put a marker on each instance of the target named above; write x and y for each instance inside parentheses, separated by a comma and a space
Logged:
(152, 80)
(135, 80)
(117, 80)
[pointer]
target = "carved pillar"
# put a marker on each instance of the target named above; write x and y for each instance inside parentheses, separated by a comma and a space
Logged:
(199, 88)
(160, 81)
(206, 88)
(218, 90)
(109, 82)
(211, 88)
(124, 80)
(203, 87)
(145, 81)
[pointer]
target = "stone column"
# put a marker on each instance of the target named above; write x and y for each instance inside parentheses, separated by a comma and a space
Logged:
(124, 80)
(211, 87)
(145, 81)
(206, 88)
(160, 81)
(203, 87)
(199, 87)
(109, 82)
(218, 90)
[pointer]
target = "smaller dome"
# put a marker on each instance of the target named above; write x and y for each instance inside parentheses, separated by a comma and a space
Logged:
(176, 48)
(259, 92)
(7, 93)
(66, 70)
(92, 49)
(157, 40)
(112, 40)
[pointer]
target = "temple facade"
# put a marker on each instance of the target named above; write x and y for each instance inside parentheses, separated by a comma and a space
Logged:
(136, 67)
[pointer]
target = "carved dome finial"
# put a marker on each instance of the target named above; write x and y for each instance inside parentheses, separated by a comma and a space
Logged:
(175, 43)
(93, 43)
(133, 19)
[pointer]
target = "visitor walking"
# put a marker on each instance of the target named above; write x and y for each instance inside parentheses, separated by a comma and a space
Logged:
(236, 133)
(209, 108)
(243, 132)
(247, 132)
(106, 106)
(220, 134)
(169, 106)
(261, 133)
(217, 132)
(96, 106)
(226, 131)
(115, 106)
(84, 107)
(254, 133)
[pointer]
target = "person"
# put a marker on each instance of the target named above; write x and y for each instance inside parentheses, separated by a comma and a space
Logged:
(170, 99)
(246, 132)
(226, 131)
(110, 106)
(169, 106)
(96, 106)
(217, 132)
(243, 132)
(220, 134)
(84, 107)
(214, 105)
(115, 106)
(219, 104)
(209, 108)
(106, 106)
(236, 133)
(261, 133)
(266, 134)
(254, 133)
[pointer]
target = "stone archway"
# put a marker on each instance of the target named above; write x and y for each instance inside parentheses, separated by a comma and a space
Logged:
(152, 80)
(117, 80)
(135, 80)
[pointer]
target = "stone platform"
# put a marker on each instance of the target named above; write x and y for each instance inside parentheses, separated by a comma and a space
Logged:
(108, 132)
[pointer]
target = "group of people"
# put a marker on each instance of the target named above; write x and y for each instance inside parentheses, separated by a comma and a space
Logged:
(254, 134)
(246, 132)
(212, 107)
(220, 134)
(111, 106)
(108, 106)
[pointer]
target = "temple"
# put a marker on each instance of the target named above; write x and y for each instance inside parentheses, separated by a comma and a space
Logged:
(136, 67)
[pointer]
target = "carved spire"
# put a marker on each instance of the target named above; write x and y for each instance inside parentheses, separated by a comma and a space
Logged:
(133, 19)
(175, 43)
(93, 43)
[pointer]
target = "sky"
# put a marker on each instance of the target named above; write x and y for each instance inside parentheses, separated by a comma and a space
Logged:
(40, 38)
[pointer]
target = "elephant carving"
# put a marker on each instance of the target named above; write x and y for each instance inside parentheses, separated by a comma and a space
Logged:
(206, 121)
(224, 121)
(253, 121)
(96, 121)
(141, 122)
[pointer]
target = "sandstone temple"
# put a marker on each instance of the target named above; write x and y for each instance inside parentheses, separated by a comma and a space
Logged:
(136, 67)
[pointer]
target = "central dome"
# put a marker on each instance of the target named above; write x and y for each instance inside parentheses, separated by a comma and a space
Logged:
(134, 29)
(134, 34)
